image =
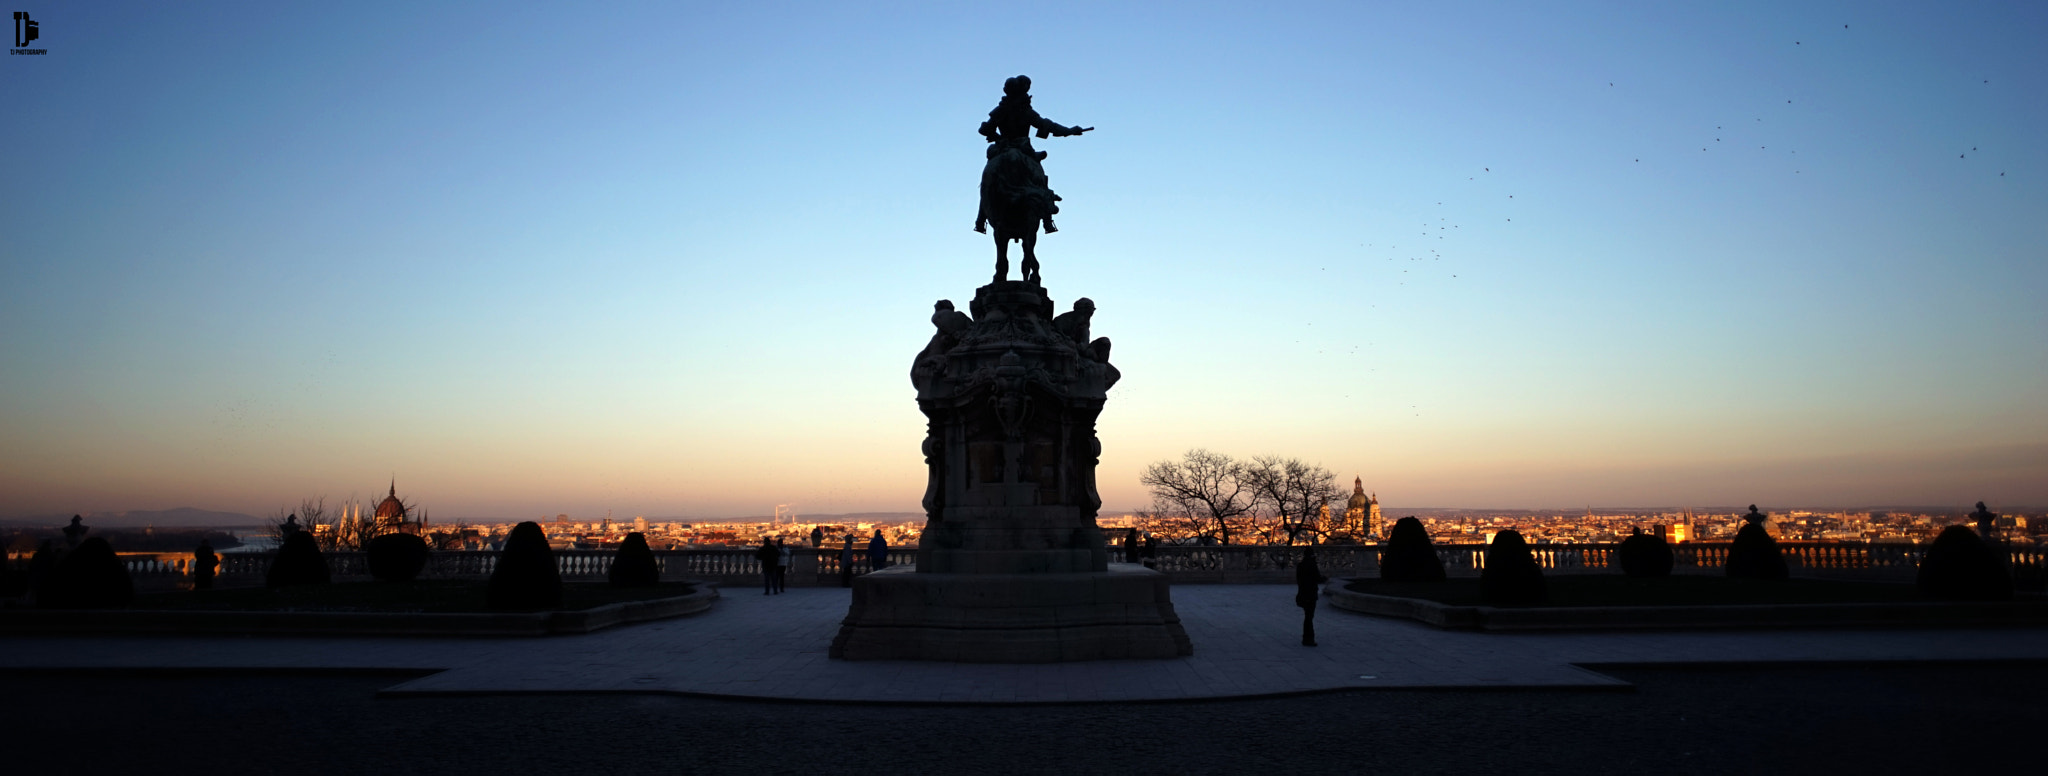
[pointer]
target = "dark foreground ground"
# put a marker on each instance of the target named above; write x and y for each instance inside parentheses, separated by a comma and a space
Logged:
(1916, 719)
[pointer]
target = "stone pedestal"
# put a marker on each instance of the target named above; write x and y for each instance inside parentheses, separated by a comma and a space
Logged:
(1011, 566)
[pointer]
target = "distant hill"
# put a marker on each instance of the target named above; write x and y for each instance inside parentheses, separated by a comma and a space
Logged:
(181, 516)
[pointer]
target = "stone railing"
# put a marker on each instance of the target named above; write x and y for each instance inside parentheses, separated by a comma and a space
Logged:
(809, 567)
(1183, 564)
(1816, 559)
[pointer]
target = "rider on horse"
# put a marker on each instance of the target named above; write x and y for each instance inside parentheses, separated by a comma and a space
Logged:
(1015, 195)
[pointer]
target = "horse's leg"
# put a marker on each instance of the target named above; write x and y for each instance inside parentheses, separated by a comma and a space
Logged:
(1002, 255)
(1030, 269)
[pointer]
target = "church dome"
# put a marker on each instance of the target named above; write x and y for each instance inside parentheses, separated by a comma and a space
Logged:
(1358, 497)
(391, 510)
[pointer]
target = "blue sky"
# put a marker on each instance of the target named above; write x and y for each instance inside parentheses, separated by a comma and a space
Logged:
(675, 259)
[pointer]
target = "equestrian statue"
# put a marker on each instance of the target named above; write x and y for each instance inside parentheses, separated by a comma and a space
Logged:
(1015, 197)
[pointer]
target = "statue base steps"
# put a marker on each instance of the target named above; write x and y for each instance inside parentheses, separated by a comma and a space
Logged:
(902, 614)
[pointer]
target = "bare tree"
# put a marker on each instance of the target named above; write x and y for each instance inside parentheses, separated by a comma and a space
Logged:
(1298, 494)
(1209, 488)
(311, 512)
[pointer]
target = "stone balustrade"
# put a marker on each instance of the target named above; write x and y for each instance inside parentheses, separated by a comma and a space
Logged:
(1183, 564)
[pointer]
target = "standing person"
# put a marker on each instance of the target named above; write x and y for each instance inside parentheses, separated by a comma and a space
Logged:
(782, 564)
(1307, 581)
(817, 536)
(846, 559)
(768, 556)
(1151, 549)
(1131, 545)
(203, 564)
(878, 551)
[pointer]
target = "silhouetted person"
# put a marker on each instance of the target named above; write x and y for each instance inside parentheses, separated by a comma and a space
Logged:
(817, 537)
(782, 563)
(40, 564)
(75, 532)
(1151, 549)
(203, 564)
(768, 556)
(1987, 522)
(285, 531)
(1308, 582)
(878, 551)
(846, 560)
(1131, 546)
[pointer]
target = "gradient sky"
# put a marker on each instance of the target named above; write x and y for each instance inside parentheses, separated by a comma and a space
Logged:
(676, 260)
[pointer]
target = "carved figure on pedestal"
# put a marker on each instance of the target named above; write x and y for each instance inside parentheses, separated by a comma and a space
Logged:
(1015, 194)
(1074, 326)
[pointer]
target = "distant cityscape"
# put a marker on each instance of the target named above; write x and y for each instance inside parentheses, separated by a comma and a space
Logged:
(1454, 526)
(1445, 525)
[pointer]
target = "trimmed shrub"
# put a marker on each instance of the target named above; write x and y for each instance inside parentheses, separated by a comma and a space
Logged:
(526, 577)
(397, 557)
(41, 564)
(1961, 566)
(1645, 555)
(12, 583)
(1754, 554)
(298, 562)
(1511, 575)
(1409, 556)
(633, 565)
(90, 577)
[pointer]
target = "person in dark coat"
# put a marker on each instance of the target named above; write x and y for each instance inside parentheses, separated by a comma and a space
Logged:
(770, 558)
(1308, 581)
(1151, 549)
(846, 560)
(817, 536)
(878, 551)
(203, 564)
(1131, 546)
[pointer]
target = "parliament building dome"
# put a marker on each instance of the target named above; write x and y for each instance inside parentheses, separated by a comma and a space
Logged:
(391, 510)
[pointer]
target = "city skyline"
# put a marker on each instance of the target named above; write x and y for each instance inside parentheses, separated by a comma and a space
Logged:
(676, 262)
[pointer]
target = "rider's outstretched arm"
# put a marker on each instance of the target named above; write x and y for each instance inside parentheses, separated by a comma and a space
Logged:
(1047, 127)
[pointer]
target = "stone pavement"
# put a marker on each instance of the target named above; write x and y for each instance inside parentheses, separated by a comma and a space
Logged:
(1246, 641)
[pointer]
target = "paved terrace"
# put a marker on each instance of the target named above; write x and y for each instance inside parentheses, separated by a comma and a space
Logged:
(1246, 645)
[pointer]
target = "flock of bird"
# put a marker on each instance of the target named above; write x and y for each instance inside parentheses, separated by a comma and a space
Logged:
(1444, 228)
